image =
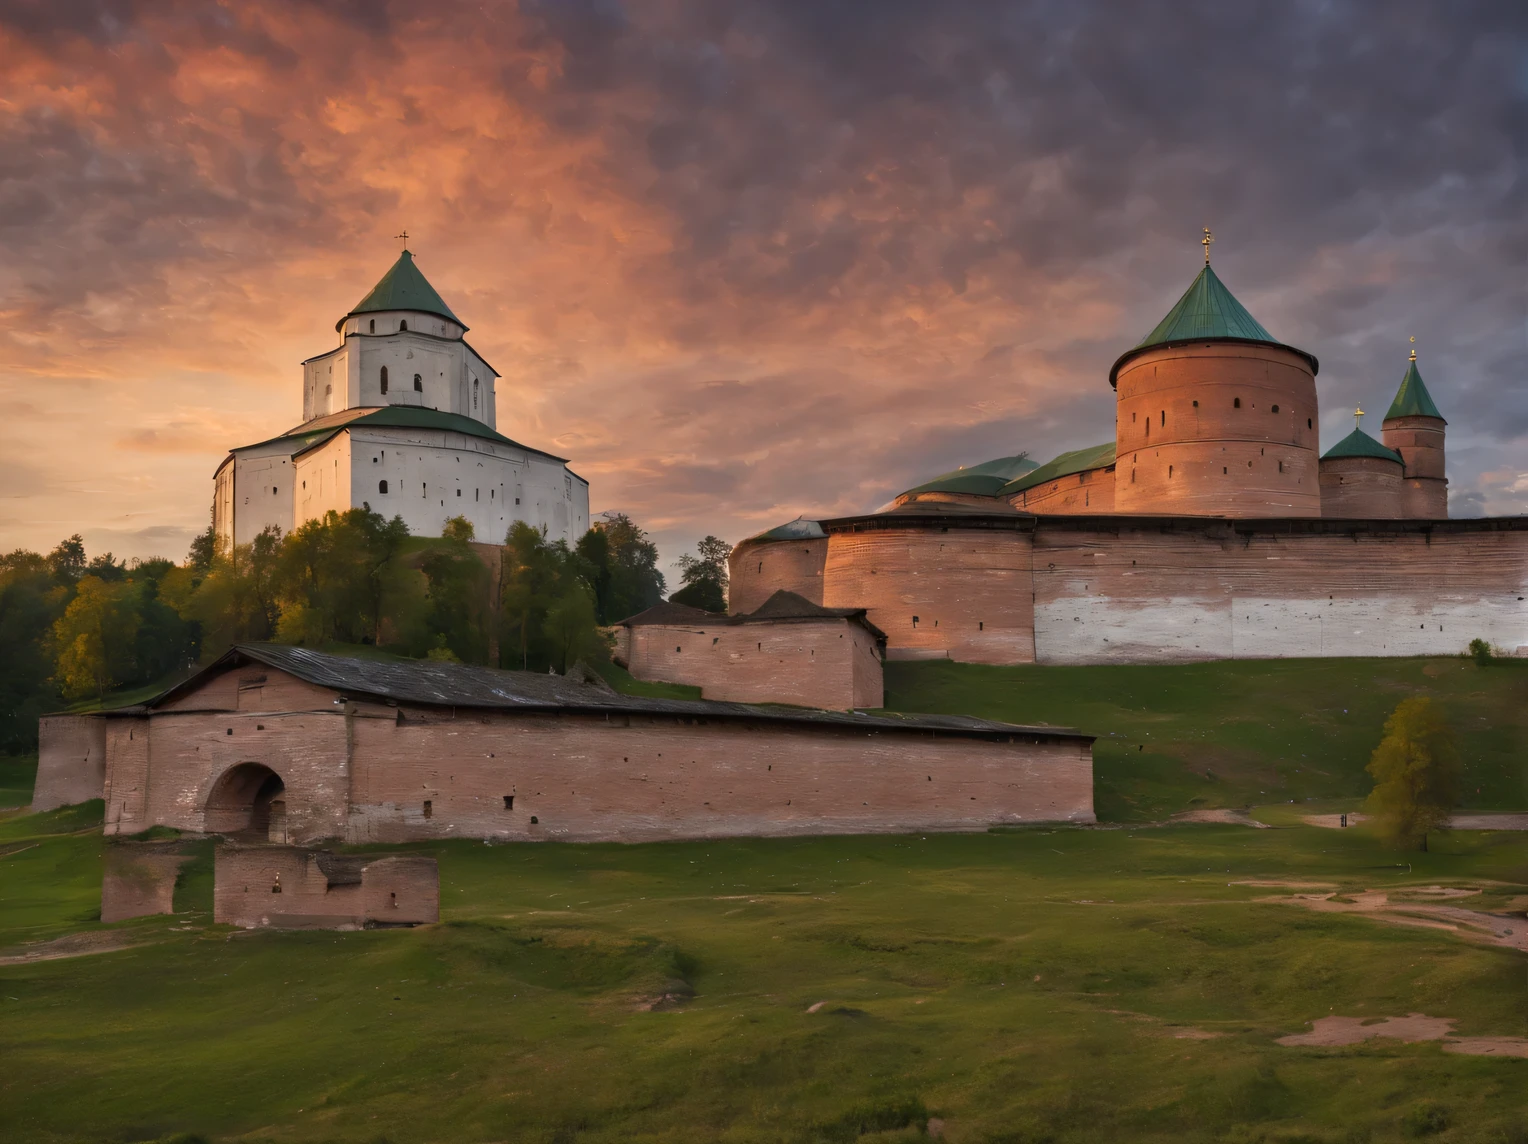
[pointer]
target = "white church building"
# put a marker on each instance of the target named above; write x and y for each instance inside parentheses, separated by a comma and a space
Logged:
(399, 417)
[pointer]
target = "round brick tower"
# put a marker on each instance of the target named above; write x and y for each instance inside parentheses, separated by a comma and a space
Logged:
(1360, 478)
(1214, 416)
(1414, 428)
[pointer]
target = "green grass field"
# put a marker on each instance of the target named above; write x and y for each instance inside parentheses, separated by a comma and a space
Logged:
(1021, 986)
(1243, 733)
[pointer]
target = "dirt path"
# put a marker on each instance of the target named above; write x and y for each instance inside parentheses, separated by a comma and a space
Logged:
(1332, 1032)
(1507, 930)
(1458, 822)
(71, 945)
(1220, 815)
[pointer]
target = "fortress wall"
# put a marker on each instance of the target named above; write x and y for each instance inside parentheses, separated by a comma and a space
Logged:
(127, 774)
(1090, 491)
(757, 569)
(71, 761)
(632, 778)
(401, 890)
(188, 752)
(937, 592)
(807, 663)
(866, 667)
(1145, 594)
(138, 880)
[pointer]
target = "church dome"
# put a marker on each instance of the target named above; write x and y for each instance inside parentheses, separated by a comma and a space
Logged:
(1207, 312)
(403, 287)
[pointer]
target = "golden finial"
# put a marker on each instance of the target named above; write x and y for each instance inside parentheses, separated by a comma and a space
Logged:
(405, 237)
(1413, 349)
(1358, 417)
(1205, 242)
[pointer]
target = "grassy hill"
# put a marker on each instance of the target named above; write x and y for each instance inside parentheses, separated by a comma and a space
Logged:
(1242, 733)
(1063, 985)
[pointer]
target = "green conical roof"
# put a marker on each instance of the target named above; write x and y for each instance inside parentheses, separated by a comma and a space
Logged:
(1412, 399)
(1360, 444)
(1206, 311)
(403, 288)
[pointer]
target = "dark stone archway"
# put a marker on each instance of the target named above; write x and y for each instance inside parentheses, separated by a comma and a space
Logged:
(242, 801)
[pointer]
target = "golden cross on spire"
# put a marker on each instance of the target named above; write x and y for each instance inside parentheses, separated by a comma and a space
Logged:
(405, 237)
(1358, 417)
(1413, 349)
(1205, 242)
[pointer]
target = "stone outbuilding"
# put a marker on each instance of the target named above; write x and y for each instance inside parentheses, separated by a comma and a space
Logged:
(788, 650)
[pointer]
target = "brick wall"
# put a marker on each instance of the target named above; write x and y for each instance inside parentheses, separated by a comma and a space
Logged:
(1361, 488)
(71, 761)
(937, 592)
(1090, 491)
(758, 569)
(356, 890)
(595, 777)
(139, 879)
(829, 662)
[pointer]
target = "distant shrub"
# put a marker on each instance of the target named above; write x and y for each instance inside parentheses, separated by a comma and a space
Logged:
(1426, 1120)
(1480, 652)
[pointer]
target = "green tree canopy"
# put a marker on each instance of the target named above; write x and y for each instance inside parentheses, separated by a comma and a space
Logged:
(97, 637)
(704, 576)
(623, 568)
(1416, 774)
(547, 609)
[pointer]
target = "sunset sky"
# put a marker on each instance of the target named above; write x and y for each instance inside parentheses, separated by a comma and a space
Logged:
(739, 261)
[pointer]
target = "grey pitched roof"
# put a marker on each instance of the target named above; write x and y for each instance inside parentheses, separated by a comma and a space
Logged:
(781, 607)
(429, 683)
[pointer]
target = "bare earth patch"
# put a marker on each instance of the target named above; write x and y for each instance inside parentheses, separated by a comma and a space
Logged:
(1334, 1032)
(71, 945)
(1491, 929)
(1220, 815)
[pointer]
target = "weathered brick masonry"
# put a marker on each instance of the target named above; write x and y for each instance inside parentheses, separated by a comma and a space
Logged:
(71, 761)
(283, 887)
(1139, 589)
(394, 752)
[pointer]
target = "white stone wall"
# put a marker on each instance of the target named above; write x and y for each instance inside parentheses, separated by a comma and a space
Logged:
(452, 376)
(222, 503)
(262, 490)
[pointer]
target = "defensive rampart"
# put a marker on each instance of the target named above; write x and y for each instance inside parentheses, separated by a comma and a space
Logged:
(1141, 589)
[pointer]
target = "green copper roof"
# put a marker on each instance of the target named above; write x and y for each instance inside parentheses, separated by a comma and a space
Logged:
(1077, 461)
(986, 479)
(404, 288)
(1207, 310)
(1360, 444)
(1412, 399)
(311, 434)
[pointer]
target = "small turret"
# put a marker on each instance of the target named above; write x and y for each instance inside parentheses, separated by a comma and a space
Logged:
(1414, 428)
(1360, 478)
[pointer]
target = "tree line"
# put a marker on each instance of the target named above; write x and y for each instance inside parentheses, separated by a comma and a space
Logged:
(77, 628)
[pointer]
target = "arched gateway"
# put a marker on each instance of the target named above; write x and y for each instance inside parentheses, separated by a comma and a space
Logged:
(247, 800)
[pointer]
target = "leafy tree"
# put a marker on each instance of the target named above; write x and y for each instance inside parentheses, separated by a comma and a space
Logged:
(458, 528)
(68, 560)
(204, 549)
(235, 600)
(1480, 652)
(704, 576)
(31, 601)
(334, 577)
(623, 568)
(458, 595)
(1416, 774)
(103, 567)
(96, 637)
(547, 610)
